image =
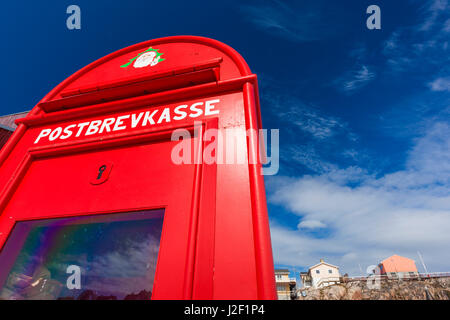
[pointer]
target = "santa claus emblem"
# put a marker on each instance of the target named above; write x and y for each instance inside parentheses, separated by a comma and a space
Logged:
(149, 57)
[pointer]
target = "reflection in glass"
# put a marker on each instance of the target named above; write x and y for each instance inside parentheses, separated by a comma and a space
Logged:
(109, 256)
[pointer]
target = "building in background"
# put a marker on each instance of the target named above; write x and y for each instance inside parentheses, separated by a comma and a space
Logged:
(398, 267)
(320, 275)
(286, 286)
(7, 126)
(306, 279)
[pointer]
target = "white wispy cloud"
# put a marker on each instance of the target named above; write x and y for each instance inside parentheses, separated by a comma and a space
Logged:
(422, 46)
(440, 84)
(308, 157)
(311, 224)
(355, 79)
(359, 73)
(319, 127)
(318, 131)
(281, 19)
(370, 217)
(305, 117)
(446, 27)
(434, 9)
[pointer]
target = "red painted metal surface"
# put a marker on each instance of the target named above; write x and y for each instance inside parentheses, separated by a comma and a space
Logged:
(215, 241)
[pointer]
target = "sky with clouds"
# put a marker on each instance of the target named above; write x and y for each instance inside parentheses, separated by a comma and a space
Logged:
(364, 115)
(365, 149)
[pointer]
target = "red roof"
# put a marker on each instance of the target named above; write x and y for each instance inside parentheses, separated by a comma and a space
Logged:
(7, 126)
(4, 136)
(7, 121)
(397, 263)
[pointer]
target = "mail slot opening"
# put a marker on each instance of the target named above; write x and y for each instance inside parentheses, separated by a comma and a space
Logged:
(95, 257)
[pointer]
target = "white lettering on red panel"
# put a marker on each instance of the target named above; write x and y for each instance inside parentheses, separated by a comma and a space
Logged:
(132, 120)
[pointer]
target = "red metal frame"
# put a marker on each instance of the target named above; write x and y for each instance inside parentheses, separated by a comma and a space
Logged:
(220, 264)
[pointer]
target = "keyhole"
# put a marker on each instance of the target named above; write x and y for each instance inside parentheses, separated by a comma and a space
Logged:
(100, 171)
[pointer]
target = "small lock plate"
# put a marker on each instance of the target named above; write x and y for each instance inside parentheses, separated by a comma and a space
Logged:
(100, 172)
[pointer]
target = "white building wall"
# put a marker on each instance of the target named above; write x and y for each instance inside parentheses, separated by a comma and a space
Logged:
(323, 275)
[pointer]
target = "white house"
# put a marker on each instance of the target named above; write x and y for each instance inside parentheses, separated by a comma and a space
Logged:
(321, 275)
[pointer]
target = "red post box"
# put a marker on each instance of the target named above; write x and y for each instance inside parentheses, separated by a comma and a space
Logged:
(111, 187)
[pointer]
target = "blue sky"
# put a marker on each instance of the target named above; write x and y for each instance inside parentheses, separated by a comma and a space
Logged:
(363, 114)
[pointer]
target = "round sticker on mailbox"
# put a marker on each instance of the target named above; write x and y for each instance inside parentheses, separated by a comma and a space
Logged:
(149, 57)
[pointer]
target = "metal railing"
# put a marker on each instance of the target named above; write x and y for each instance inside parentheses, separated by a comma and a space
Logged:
(398, 276)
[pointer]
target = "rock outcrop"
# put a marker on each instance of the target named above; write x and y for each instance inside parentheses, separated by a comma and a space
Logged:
(425, 289)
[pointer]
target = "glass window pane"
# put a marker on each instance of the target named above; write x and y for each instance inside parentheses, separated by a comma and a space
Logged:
(108, 256)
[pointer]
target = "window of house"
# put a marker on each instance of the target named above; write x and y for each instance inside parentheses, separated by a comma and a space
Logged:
(281, 287)
(278, 276)
(317, 271)
(330, 271)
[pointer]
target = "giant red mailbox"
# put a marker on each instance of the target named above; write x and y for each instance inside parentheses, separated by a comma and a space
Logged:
(107, 192)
